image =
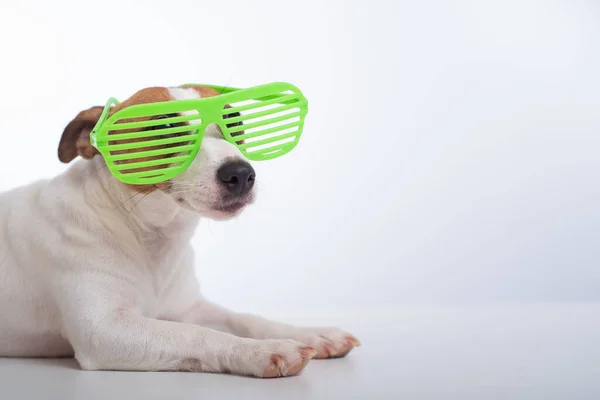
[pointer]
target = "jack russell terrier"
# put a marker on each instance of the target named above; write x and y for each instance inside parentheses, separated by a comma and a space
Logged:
(104, 271)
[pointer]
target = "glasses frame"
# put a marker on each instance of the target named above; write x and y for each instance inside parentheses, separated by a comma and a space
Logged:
(259, 144)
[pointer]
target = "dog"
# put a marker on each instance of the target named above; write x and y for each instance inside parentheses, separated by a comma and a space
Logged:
(103, 271)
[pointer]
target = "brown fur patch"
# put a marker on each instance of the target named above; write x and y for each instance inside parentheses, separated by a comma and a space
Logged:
(144, 96)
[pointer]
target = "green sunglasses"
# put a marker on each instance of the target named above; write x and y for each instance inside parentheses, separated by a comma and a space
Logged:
(263, 122)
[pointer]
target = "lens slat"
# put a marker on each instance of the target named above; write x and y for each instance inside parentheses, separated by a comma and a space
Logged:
(269, 121)
(149, 153)
(246, 146)
(271, 152)
(152, 143)
(283, 99)
(152, 133)
(274, 110)
(150, 174)
(251, 135)
(151, 163)
(152, 122)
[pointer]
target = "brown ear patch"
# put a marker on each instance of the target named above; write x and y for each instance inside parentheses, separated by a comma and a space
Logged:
(75, 140)
(144, 96)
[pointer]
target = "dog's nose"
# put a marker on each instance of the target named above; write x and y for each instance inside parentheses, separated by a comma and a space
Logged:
(237, 177)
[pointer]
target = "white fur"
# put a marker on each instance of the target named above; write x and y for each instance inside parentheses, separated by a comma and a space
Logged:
(91, 268)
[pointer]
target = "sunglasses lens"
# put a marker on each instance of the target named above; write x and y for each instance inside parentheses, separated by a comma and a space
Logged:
(268, 126)
(150, 148)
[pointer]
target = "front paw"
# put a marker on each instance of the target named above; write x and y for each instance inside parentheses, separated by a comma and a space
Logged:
(328, 342)
(273, 358)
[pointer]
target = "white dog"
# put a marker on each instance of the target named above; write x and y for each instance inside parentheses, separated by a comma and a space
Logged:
(104, 271)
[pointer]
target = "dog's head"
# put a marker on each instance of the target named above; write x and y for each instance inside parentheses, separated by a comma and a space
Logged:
(218, 184)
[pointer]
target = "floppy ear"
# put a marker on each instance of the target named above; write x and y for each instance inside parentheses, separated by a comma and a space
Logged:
(75, 140)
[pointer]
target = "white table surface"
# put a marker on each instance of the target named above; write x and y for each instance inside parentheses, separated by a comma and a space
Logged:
(535, 351)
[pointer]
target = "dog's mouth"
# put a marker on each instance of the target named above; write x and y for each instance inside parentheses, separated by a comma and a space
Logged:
(231, 208)
(233, 205)
(227, 207)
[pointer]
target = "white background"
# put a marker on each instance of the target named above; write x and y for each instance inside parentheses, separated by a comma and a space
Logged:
(451, 151)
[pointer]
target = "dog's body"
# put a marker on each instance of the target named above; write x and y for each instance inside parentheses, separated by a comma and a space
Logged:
(104, 271)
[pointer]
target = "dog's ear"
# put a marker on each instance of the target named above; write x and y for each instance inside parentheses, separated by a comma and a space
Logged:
(75, 140)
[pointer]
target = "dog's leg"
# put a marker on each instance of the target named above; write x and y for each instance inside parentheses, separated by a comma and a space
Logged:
(108, 332)
(329, 342)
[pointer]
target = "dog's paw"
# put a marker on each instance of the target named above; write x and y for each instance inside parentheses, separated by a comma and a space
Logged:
(328, 342)
(276, 358)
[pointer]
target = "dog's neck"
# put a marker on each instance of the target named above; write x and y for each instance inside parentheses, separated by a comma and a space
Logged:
(150, 212)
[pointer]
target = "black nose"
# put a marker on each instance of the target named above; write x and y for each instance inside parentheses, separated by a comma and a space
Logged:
(237, 177)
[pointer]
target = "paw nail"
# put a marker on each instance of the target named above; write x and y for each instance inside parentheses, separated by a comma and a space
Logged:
(308, 352)
(272, 372)
(278, 361)
(353, 341)
(330, 350)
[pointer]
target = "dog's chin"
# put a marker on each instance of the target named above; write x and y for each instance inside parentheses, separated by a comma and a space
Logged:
(219, 215)
(221, 211)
